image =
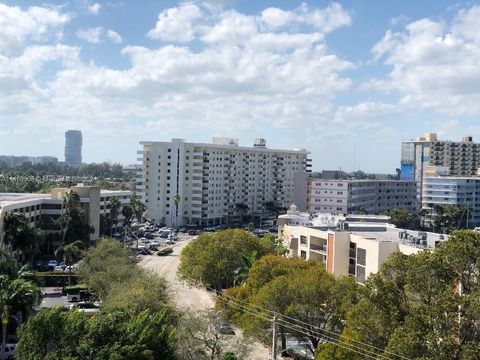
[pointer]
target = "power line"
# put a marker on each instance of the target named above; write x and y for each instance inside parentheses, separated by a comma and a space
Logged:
(314, 326)
(290, 326)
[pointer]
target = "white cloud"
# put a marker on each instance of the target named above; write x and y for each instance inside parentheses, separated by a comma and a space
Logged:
(98, 35)
(435, 64)
(112, 35)
(324, 20)
(35, 23)
(242, 78)
(211, 24)
(94, 8)
(365, 114)
(177, 24)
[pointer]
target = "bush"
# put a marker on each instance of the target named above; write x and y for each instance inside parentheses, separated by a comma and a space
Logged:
(165, 251)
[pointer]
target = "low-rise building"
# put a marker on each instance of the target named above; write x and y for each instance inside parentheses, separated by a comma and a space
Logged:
(352, 245)
(45, 210)
(353, 196)
(449, 190)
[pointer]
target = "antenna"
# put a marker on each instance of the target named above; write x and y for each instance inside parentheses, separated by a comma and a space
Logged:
(354, 156)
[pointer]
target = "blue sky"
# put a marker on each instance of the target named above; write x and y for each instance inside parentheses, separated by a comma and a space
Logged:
(327, 76)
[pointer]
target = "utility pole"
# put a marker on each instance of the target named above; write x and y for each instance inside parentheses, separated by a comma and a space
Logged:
(274, 339)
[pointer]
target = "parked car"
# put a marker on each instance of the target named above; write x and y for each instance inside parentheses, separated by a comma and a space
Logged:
(67, 269)
(210, 229)
(169, 241)
(63, 264)
(193, 232)
(51, 264)
(173, 236)
(86, 307)
(9, 353)
(164, 234)
(226, 329)
(149, 235)
(58, 269)
(41, 266)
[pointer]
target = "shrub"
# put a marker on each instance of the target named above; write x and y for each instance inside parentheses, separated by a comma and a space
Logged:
(165, 251)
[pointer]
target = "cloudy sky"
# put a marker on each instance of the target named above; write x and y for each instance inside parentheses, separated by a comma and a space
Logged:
(347, 80)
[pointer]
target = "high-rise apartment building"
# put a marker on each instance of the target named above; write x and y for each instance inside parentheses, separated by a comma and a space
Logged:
(458, 158)
(73, 147)
(461, 158)
(216, 183)
(353, 196)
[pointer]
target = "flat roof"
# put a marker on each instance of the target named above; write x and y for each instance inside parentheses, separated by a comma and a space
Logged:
(12, 198)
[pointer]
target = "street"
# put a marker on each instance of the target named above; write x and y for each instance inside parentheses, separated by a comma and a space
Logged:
(188, 297)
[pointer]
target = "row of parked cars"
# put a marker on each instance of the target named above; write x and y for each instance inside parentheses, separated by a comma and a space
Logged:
(55, 266)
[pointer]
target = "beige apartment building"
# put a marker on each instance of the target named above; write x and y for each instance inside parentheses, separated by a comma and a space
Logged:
(350, 246)
(45, 209)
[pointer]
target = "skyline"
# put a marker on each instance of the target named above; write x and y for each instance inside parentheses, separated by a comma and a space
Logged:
(325, 76)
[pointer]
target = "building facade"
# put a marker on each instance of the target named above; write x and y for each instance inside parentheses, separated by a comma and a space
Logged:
(448, 190)
(353, 196)
(73, 147)
(44, 210)
(355, 249)
(459, 158)
(216, 183)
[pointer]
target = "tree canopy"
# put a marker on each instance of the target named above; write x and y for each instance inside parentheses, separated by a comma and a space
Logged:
(212, 258)
(422, 306)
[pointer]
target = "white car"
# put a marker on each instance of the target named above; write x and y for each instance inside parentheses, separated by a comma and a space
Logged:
(73, 268)
(58, 269)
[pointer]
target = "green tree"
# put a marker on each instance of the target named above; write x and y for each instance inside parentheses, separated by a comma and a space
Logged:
(127, 213)
(17, 292)
(292, 287)
(423, 305)
(20, 237)
(176, 200)
(211, 259)
(56, 335)
(114, 205)
(450, 217)
(106, 265)
(138, 207)
(70, 253)
(401, 218)
(199, 338)
(242, 271)
(135, 294)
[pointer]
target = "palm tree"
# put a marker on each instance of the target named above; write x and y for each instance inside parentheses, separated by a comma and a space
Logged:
(138, 207)
(127, 213)
(71, 202)
(70, 253)
(18, 292)
(114, 207)
(242, 272)
(176, 199)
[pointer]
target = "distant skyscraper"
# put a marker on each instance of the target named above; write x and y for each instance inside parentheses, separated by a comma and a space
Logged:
(73, 147)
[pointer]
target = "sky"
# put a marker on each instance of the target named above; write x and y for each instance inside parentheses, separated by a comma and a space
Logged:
(347, 80)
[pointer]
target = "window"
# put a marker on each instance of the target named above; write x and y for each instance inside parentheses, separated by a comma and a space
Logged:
(361, 256)
(360, 275)
(303, 254)
(303, 240)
